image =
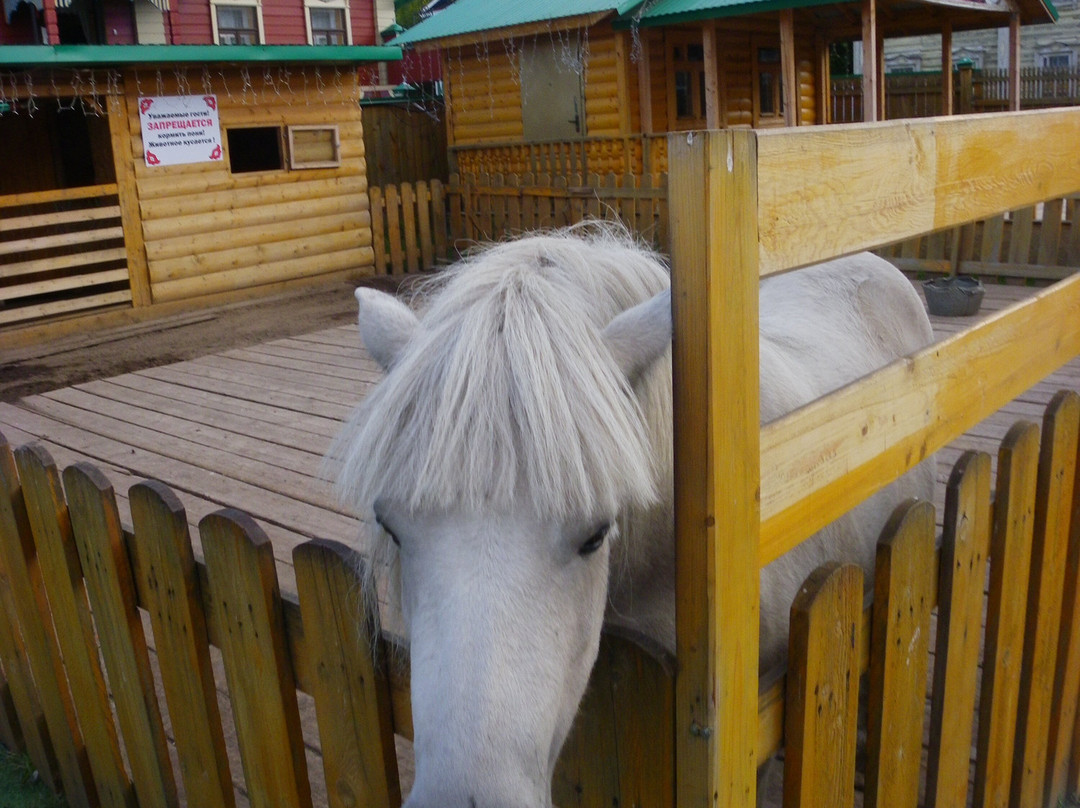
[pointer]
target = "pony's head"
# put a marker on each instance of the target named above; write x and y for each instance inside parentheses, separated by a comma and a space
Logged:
(500, 456)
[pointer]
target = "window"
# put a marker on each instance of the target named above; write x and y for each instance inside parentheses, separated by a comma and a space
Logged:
(769, 103)
(255, 148)
(1059, 59)
(237, 25)
(328, 22)
(314, 147)
(328, 26)
(686, 88)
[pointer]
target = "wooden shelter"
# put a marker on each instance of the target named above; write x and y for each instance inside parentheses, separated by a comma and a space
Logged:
(598, 82)
(92, 218)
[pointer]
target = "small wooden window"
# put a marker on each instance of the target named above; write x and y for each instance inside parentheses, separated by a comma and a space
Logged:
(328, 26)
(314, 147)
(254, 148)
(238, 25)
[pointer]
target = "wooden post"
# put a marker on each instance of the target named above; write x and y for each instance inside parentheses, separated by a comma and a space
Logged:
(714, 238)
(1014, 62)
(128, 194)
(712, 77)
(644, 78)
(870, 61)
(946, 70)
(622, 80)
(824, 81)
(790, 84)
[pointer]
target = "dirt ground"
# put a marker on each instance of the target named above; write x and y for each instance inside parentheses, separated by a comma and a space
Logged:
(80, 358)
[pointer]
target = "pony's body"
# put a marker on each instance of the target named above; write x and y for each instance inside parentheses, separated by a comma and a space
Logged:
(519, 452)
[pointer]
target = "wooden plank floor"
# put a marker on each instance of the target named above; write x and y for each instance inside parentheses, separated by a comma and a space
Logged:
(248, 428)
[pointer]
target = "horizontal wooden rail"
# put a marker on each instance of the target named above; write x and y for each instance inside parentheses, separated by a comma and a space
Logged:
(58, 195)
(825, 458)
(834, 190)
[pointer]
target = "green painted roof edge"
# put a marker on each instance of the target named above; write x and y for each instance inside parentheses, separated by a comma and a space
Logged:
(420, 31)
(629, 19)
(90, 55)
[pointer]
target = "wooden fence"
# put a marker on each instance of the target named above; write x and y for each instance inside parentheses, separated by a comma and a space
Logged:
(61, 251)
(424, 225)
(403, 143)
(918, 95)
(1040, 242)
(75, 588)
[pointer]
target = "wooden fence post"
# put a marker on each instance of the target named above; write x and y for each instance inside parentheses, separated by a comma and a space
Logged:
(715, 254)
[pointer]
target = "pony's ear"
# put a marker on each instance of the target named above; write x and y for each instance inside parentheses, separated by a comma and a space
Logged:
(640, 335)
(386, 324)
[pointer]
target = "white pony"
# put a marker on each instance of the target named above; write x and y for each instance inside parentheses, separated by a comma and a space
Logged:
(518, 453)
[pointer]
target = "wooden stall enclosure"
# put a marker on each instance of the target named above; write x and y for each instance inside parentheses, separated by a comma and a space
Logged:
(648, 734)
(286, 204)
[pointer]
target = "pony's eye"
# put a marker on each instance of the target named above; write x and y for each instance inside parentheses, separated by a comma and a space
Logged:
(387, 531)
(592, 544)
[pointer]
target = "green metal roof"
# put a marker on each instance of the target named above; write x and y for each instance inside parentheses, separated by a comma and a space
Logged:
(669, 12)
(474, 16)
(91, 55)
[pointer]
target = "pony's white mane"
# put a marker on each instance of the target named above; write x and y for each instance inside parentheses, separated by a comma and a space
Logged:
(506, 394)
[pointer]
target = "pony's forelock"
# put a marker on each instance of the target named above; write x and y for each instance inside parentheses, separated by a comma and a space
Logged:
(505, 397)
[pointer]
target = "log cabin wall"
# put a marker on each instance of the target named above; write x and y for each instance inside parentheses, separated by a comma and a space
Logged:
(206, 230)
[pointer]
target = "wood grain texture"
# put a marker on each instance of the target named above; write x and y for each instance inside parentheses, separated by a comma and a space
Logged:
(351, 689)
(873, 184)
(905, 585)
(715, 361)
(62, 577)
(830, 455)
(165, 568)
(1010, 565)
(1048, 557)
(823, 689)
(964, 550)
(22, 577)
(244, 592)
(95, 523)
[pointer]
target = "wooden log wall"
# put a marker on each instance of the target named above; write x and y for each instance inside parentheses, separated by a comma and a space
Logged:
(206, 230)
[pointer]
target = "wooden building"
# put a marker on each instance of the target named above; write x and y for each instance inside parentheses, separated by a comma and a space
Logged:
(92, 217)
(595, 81)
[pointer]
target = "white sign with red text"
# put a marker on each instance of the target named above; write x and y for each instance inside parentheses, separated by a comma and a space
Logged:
(178, 129)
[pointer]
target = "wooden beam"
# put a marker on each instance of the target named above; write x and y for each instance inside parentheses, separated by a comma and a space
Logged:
(870, 61)
(622, 80)
(127, 189)
(946, 69)
(1014, 62)
(872, 184)
(712, 77)
(879, 428)
(790, 82)
(644, 78)
(713, 211)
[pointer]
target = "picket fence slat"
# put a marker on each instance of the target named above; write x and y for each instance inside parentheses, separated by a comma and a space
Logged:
(22, 577)
(351, 689)
(393, 229)
(1056, 473)
(1010, 564)
(378, 227)
(905, 583)
(99, 538)
(964, 550)
(822, 685)
(408, 215)
(1063, 708)
(62, 577)
(165, 565)
(243, 583)
(423, 222)
(438, 219)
